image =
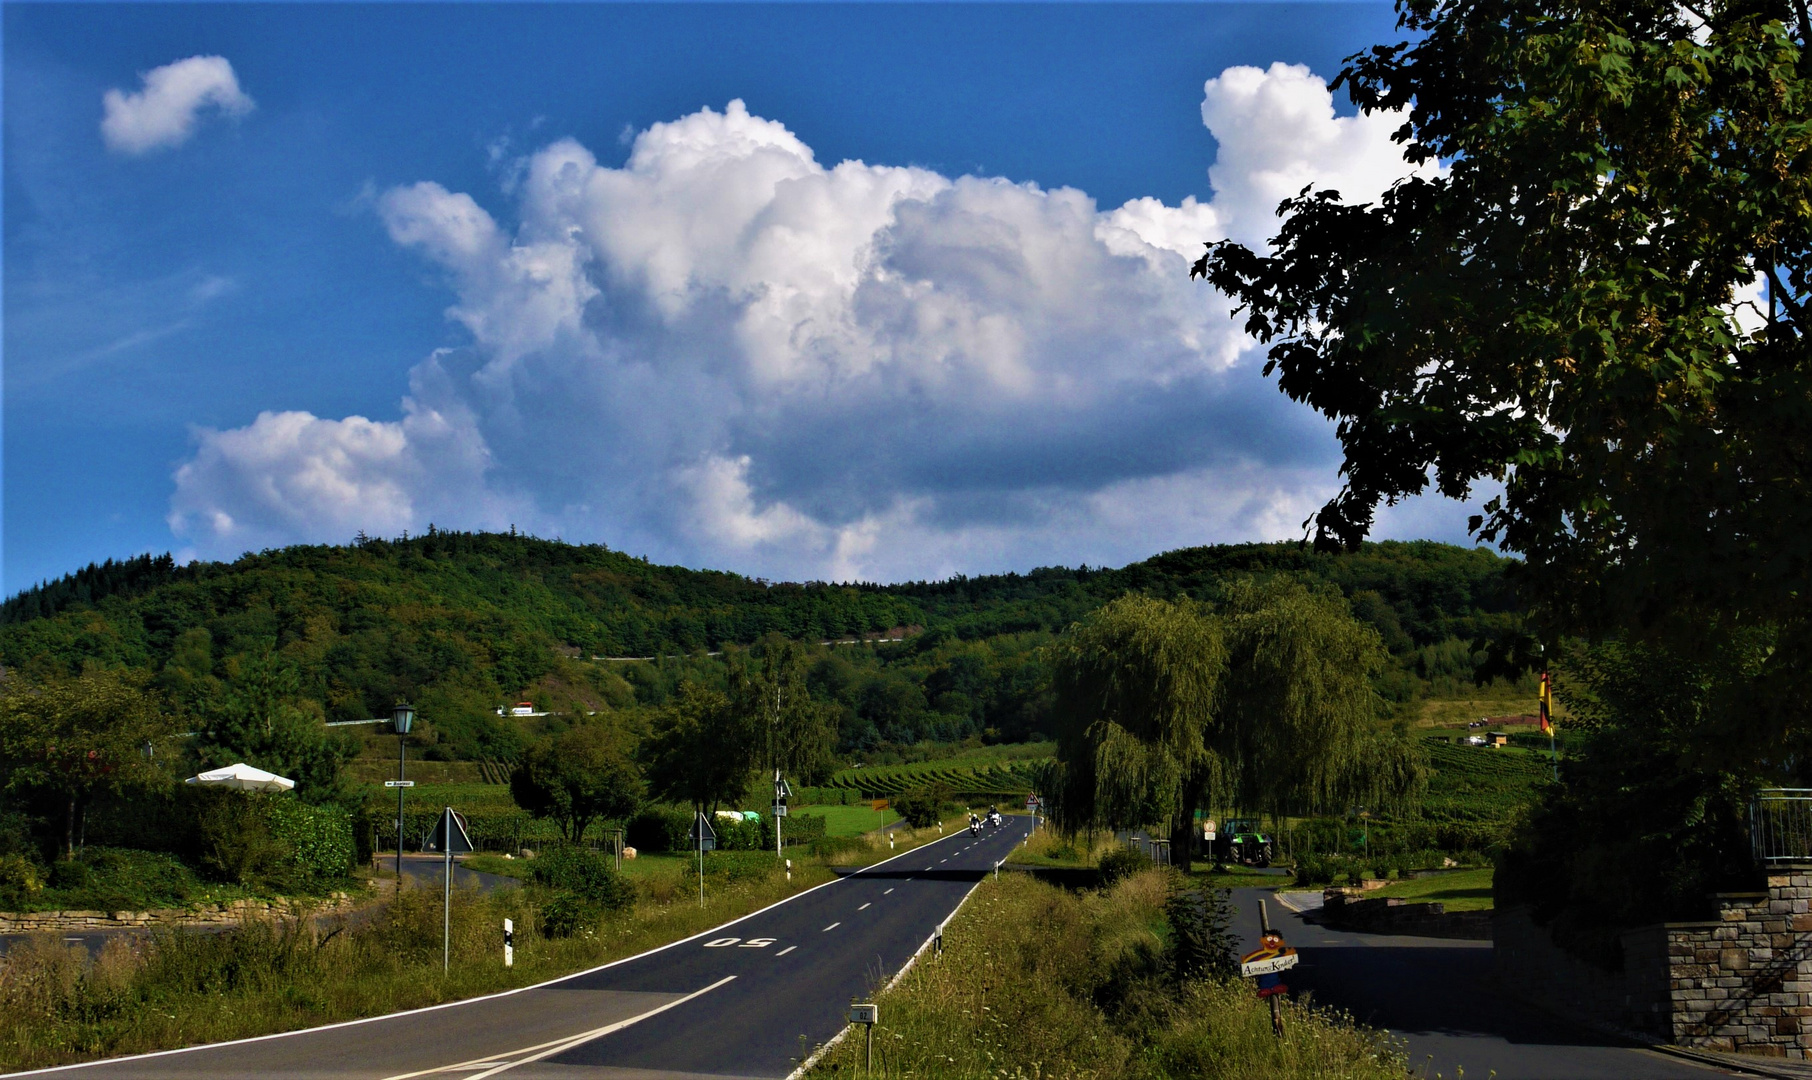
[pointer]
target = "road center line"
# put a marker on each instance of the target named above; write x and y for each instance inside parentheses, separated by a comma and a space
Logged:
(864, 906)
(786, 950)
(885, 893)
(831, 927)
(549, 1049)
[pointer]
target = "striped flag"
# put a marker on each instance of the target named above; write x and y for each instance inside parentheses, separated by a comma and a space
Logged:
(1547, 704)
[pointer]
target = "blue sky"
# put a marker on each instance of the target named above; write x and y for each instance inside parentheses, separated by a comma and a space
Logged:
(597, 272)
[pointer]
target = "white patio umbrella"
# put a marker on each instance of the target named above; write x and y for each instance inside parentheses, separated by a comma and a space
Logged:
(244, 778)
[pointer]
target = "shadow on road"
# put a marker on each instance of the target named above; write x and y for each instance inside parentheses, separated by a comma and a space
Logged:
(1440, 998)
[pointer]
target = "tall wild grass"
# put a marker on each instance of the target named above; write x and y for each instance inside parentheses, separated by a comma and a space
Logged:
(1036, 982)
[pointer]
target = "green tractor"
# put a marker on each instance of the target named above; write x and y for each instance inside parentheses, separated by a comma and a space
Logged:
(1243, 843)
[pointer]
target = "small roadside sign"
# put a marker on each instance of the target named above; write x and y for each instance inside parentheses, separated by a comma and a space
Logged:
(1266, 963)
(450, 834)
(864, 1014)
(703, 836)
(780, 809)
(1031, 802)
(399, 783)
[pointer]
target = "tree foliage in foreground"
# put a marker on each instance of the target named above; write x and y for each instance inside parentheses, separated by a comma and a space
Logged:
(1570, 309)
(1598, 301)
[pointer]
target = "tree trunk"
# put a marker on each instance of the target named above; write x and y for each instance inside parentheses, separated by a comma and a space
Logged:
(1182, 828)
(69, 831)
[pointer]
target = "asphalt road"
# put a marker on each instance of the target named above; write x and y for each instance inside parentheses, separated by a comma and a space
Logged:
(750, 999)
(1437, 995)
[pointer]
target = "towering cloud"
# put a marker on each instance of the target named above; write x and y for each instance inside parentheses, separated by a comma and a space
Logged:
(164, 113)
(727, 352)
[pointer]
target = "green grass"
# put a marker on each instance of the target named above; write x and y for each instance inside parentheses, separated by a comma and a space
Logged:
(1462, 890)
(847, 820)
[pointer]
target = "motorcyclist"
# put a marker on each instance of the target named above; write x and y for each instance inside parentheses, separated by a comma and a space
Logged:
(974, 824)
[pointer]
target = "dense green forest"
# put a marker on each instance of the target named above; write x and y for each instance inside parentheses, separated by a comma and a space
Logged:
(462, 623)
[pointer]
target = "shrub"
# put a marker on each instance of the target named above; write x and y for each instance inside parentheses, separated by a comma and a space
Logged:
(565, 914)
(661, 827)
(69, 874)
(236, 842)
(318, 838)
(1122, 862)
(582, 873)
(733, 866)
(1202, 942)
(19, 880)
(925, 807)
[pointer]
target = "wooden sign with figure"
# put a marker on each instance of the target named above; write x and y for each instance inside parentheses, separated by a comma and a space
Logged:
(1266, 965)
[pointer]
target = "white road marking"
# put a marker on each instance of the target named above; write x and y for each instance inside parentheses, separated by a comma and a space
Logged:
(549, 1049)
(786, 950)
(885, 893)
(831, 927)
(864, 906)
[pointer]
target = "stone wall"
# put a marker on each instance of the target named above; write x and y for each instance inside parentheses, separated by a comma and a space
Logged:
(224, 913)
(1740, 982)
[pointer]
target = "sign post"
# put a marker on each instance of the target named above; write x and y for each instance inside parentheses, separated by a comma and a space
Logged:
(782, 792)
(1265, 963)
(705, 837)
(451, 838)
(509, 943)
(868, 1015)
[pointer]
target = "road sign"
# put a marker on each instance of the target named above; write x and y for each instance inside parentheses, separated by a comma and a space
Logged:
(1031, 802)
(864, 1014)
(1266, 962)
(1267, 965)
(399, 783)
(780, 809)
(450, 834)
(703, 836)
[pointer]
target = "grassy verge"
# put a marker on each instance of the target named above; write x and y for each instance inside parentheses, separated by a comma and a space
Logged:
(1035, 981)
(1047, 848)
(848, 820)
(57, 1005)
(1462, 890)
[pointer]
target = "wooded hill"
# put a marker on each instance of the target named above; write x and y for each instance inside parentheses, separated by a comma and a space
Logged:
(463, 622)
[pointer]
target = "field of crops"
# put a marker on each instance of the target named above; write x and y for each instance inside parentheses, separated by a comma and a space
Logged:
(1476, 783)
(960, 776)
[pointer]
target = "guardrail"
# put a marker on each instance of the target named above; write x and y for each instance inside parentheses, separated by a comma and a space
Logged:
(1780, 825)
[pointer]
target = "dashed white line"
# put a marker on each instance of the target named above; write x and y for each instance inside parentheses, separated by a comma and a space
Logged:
(885, 893)
(831, 927)
(864, 906)
(786, 950)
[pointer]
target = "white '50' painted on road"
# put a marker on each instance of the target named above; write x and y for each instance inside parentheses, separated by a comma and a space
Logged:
(752, 943)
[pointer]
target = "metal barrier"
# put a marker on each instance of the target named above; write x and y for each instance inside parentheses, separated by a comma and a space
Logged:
(1780, 825)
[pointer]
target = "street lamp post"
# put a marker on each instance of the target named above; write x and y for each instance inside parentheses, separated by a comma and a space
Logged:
(401, 719)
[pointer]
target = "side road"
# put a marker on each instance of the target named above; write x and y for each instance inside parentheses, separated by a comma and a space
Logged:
(1436, 995)
(751, 998)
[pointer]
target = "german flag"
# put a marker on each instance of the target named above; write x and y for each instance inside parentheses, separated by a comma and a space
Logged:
(1547, 704)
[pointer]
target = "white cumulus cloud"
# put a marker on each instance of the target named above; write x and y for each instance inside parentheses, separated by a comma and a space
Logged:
(164, 112)
(725, 352)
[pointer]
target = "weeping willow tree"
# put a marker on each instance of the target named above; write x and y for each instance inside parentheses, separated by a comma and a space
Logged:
(1304, 727)
(1137, 685)
(1164, 708)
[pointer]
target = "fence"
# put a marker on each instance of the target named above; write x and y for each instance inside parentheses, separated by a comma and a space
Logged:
(1780, 825)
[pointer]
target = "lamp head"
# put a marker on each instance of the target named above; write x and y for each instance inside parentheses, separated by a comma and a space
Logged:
(402, 718)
